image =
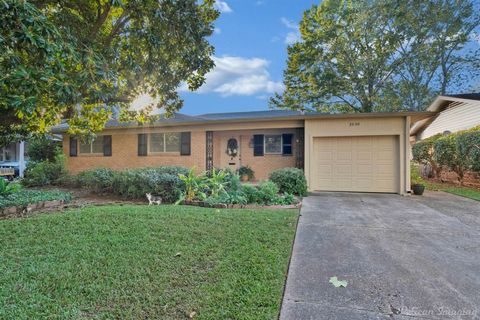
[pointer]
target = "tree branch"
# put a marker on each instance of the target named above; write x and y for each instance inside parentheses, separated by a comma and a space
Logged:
(100, 19)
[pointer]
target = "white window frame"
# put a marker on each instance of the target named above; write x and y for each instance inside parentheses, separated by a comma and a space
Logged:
(91, 148)
(164, 143)
(265, 144)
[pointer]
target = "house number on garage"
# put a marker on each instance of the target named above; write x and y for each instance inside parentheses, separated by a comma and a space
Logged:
(354, 124)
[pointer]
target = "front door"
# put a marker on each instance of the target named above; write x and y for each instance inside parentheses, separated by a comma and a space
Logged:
(230, 152)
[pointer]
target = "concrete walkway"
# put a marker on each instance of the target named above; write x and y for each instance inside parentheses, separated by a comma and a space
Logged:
(403, 257)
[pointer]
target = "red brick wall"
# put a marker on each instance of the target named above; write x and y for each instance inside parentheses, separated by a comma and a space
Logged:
(125, 155)
(125, 149)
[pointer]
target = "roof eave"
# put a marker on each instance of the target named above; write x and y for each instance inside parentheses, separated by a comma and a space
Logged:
(415, 115)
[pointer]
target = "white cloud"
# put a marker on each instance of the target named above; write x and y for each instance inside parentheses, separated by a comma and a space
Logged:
(222, 6)
(292, 36)
(289, 24)
(239, 76)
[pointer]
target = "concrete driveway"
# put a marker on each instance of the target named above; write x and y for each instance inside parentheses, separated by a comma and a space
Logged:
(403, 257)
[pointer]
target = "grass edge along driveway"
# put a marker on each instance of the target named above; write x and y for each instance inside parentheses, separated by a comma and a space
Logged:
(169, 262)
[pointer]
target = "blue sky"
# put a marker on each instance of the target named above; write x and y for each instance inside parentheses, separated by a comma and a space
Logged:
(250, 53)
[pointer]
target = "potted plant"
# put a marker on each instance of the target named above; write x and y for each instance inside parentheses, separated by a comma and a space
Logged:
(418, 187)
(246, 173)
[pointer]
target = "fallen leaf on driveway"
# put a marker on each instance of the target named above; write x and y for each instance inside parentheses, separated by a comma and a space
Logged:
(338, 283)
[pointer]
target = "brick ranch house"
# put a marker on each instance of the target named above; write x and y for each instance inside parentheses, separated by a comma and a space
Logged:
(339, 152)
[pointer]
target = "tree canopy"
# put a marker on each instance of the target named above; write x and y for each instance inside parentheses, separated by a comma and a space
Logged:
(80, 59)
(365, 56)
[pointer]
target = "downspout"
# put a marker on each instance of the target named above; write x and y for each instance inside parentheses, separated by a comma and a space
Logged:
(407, 156)
(21, 159)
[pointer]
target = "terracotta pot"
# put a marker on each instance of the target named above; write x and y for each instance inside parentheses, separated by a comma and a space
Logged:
(418, 189)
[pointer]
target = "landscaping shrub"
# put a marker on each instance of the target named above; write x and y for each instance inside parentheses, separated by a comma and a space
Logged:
(26, 197)
(285, 199)
(135, 183)
(45, 172)
(173, 170)
(290, 180)
(43, 148)
(251, 193)
(225, 198)
(97, 180)
(267, 192)
(423, 153)
(232, 181)
(468, 146)
(446, 154)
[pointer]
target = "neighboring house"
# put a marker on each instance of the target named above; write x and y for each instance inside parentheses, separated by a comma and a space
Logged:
(339, 152)
(454, 113)
(13, 156)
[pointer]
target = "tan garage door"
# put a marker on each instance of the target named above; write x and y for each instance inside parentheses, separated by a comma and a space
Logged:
(363, 164)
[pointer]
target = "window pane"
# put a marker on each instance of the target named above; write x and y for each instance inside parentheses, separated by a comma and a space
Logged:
(85, 147)
(25, 148)
(97, 145)
(273, 144)
(156, 142)
(172, 142)
(10, 152)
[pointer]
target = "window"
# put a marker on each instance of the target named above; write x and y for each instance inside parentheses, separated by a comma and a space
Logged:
(164, 142)
(94, 147)
(273, 144)
(8, 153)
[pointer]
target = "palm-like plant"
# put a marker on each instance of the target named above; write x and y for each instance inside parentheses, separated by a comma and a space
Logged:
(7, 188)
(216, 182)
(194, 186)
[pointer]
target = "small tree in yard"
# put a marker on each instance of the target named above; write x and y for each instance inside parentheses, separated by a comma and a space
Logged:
(83, 60)
(423, 153)
(446, 154)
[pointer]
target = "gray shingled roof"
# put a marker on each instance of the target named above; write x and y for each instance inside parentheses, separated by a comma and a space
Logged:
(183, 118)
(471, 96)
(249, 114)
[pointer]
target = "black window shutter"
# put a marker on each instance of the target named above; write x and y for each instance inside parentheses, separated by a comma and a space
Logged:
(142, 144)
(258, 145)
(185, 144)
(287, 139)
(73, 147)
(107, 146)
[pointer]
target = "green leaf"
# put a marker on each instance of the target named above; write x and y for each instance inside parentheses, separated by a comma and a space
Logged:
(338, 283)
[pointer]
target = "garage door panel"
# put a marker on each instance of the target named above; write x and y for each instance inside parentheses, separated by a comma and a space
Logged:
(343, 170)
(344, 155)
(324, 170)
(363, 164)
(365, 169)
(385, 155)
(325, 155)
(365, 155)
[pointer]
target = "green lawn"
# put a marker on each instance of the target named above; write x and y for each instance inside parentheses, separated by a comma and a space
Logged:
(450, 188)
(138, 262)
